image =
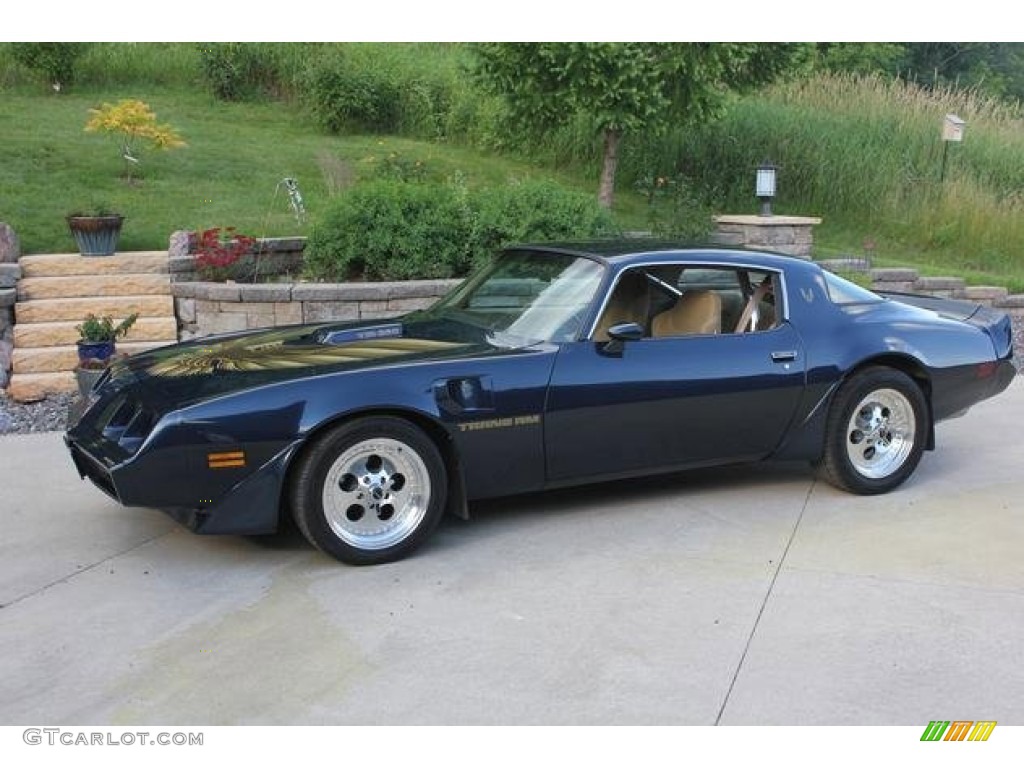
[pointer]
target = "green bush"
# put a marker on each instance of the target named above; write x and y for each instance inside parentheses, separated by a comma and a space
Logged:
(535, 211)
(344, 97)
(391, 230)
(239, 71)
(56, 61)
(411, 89)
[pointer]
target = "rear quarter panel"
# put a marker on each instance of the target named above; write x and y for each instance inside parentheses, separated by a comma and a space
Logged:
(943, 353)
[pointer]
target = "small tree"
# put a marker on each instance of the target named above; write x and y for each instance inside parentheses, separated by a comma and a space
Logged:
(56, 61)
(625, 87)
(134, 122)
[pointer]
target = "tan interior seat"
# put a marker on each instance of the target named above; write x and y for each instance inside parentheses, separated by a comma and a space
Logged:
(694, 312)
(630, 303)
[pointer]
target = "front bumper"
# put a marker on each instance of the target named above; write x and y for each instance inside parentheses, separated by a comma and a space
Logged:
(168, 469)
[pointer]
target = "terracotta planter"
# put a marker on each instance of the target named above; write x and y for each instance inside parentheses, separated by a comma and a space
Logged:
(96, 235)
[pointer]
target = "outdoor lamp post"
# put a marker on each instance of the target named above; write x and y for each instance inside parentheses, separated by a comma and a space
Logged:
(764, 187)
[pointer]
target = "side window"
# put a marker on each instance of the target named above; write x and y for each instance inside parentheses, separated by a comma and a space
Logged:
(681, 300)
(763, 308)
(747, 297)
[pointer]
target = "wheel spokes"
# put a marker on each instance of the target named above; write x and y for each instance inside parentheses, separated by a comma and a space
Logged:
(881, 433)
(376, 493)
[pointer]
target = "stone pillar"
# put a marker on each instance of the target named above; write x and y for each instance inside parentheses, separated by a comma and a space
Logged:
(10, 248)
(791, 235)
(9, 275)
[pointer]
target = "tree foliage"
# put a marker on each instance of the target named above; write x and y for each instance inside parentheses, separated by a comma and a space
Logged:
(861, 58)
(996, 69)
(133, 122)
(55, 61)
(625, 88)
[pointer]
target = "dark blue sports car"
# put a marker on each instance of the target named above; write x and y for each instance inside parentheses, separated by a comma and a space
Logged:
(552, 366)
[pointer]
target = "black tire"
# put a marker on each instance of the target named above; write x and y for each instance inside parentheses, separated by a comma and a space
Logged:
(369, 491)
(876, 431)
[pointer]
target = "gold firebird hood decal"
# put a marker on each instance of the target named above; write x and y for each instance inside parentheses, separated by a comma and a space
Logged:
(270, 352)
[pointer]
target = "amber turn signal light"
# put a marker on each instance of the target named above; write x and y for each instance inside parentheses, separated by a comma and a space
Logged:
(226, 459)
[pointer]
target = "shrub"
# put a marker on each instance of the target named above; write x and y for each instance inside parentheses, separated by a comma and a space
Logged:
(536, 211)
(54, 60)
(390, 230)
(218, 251)
(344, 97)
(238, 71)
(409, 89)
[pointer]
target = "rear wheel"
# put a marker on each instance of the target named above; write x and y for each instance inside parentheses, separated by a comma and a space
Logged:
(876, 432)
(369, 491)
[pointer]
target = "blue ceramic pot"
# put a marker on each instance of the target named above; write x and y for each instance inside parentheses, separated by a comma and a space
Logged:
(95, 350)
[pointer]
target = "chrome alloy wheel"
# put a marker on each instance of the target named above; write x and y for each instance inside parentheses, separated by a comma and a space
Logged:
(376, 493)
(881, 433)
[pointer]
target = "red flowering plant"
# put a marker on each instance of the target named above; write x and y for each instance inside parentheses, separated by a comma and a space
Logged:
(218, 250)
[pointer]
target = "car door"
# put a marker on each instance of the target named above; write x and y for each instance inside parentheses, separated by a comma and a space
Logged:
(677, 398)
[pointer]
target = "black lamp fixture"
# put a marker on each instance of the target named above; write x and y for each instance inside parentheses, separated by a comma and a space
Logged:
(764, 186)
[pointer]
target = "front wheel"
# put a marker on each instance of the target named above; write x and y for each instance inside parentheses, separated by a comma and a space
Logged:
(877, 428)
(369, 491)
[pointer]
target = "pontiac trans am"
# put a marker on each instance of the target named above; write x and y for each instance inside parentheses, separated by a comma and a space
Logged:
(554, 365)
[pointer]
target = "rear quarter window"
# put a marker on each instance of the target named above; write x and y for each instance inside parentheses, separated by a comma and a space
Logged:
(843, 291)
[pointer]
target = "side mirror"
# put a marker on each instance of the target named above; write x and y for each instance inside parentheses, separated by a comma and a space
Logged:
(619, 334)
(626, 332)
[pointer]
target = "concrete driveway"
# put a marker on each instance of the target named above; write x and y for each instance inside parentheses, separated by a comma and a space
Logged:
(734, 596)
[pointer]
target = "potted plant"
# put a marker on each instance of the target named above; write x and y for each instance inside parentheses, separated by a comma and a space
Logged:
(98, 336)
(96, 232)
(96, 347)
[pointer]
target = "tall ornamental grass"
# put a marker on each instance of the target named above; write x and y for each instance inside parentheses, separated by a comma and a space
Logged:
(855, 145)
(866, 153)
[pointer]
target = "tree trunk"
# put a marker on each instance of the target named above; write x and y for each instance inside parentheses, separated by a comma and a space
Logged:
(606, 192)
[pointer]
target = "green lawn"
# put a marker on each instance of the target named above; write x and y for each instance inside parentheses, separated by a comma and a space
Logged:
(237, 154)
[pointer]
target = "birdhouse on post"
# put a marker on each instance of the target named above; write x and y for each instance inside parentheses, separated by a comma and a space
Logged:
(953, 128)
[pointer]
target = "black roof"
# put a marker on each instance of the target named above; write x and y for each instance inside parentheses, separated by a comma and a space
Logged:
(622, 251)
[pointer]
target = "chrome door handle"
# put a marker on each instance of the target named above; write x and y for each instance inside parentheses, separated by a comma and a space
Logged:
(784, 357)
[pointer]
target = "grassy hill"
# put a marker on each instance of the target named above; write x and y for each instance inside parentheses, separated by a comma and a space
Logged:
(228, 175)
(863, 153)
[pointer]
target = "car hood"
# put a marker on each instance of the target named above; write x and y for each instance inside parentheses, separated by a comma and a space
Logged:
(183, 374)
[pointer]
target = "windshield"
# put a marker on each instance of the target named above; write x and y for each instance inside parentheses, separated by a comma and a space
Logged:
(527, 296)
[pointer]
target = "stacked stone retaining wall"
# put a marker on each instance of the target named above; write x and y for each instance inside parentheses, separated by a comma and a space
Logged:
(207, 308)
(911, 281)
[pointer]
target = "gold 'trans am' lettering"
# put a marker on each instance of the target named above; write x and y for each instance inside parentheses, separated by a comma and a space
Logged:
(510, 421)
